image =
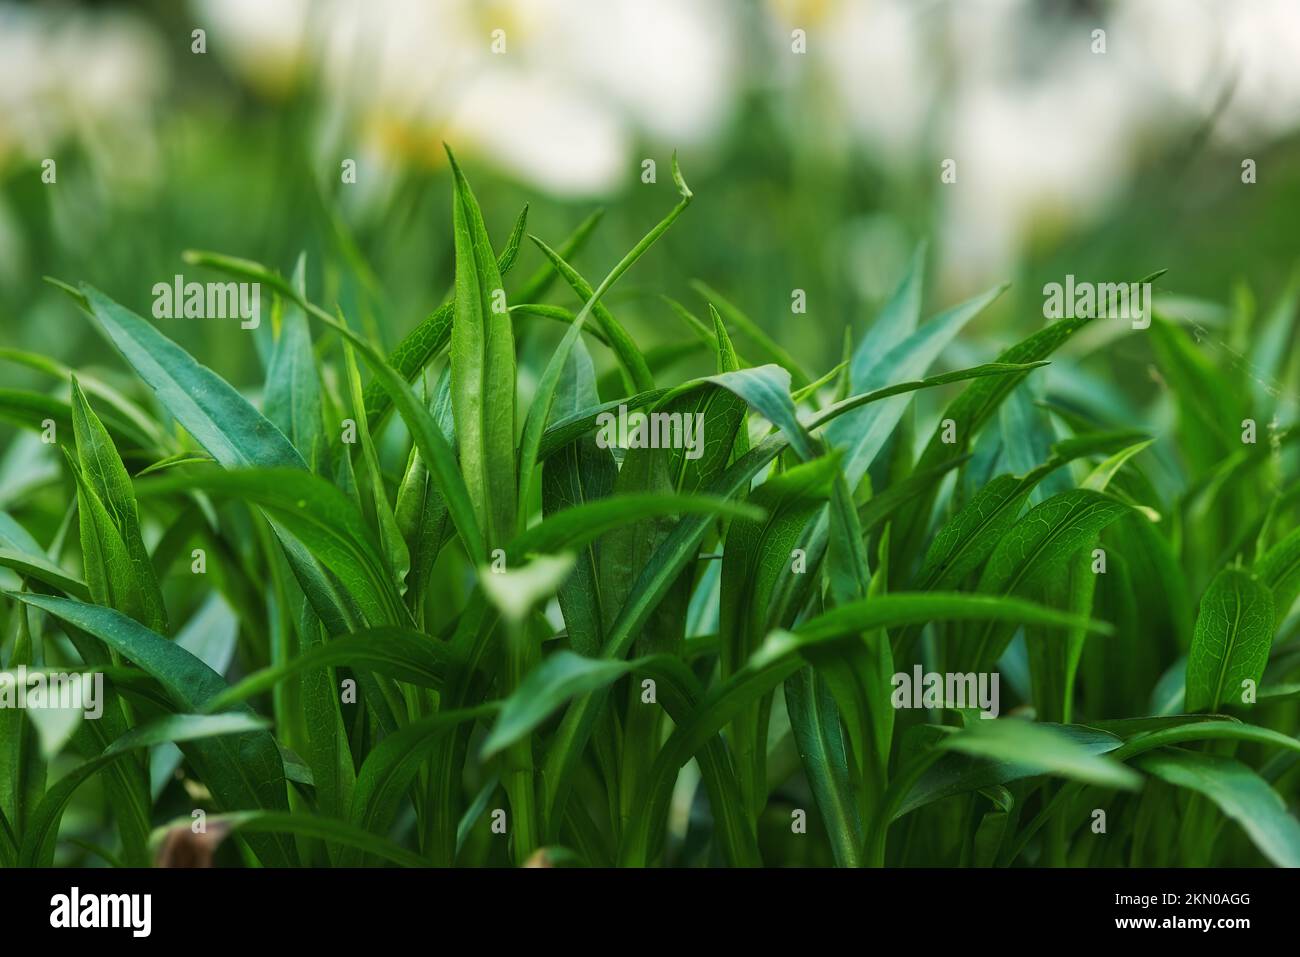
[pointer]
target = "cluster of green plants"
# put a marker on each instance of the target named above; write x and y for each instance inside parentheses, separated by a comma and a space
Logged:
(465, 632)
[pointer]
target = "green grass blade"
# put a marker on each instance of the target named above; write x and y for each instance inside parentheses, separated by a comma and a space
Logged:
(402, 655)
(764, 343)
(42, 570)
(292, 396)
(577, 527)
(539, 413)
(104, 479)
(816, 724)
(779, 658)
(636, 373)
(555, 681)
(863, 433)
(396, 554)
(432, 444)
(423, 343)
(482, 371)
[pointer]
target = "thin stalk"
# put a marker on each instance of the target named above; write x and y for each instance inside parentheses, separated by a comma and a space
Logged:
(518, 776)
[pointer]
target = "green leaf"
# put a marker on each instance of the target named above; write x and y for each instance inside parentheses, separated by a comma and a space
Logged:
(396, 554)
(218, 417)
(128, 418)
(428, 438)
(574, 424)
(292, 397)
(172, 461)
(1231, 640)
(402, 655)
(579, 526)
(243, 772)
(864, 431)
(762, 583)
(539, 413)
(1180, 729)
(970, 536)
(422, 344)
(317, 514)
(1041, 747)
(636, 373)
(328, 750)
(23, 770)
(1239, 793)
(649, 588)
(42, 570)
(389, 769)
(559, 678)
(1209, 409)
(970, 411)
(816, 724)
(108, 506)
(421, 511)
(724, 351)
(1028, 436)
(30, 410)
(957, 772)
(904, 608)
(764, 343)
(482, 371)
(1279, 569)
(40, 838)
(580, 473)
(780, 657)
(1053, 666)
(1100, 477)
(767, 391)
(108, 565)
(1035, 548)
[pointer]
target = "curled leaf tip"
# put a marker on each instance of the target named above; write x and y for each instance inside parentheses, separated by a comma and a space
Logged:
(67, 287)
(681, 183)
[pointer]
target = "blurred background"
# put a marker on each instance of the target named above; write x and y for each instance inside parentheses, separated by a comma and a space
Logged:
(818, 170)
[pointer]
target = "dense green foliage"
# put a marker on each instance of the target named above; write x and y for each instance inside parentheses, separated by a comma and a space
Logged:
(423, 616)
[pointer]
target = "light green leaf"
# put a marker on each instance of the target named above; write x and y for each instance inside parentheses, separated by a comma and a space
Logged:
(1238, 792)
(482, 371)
